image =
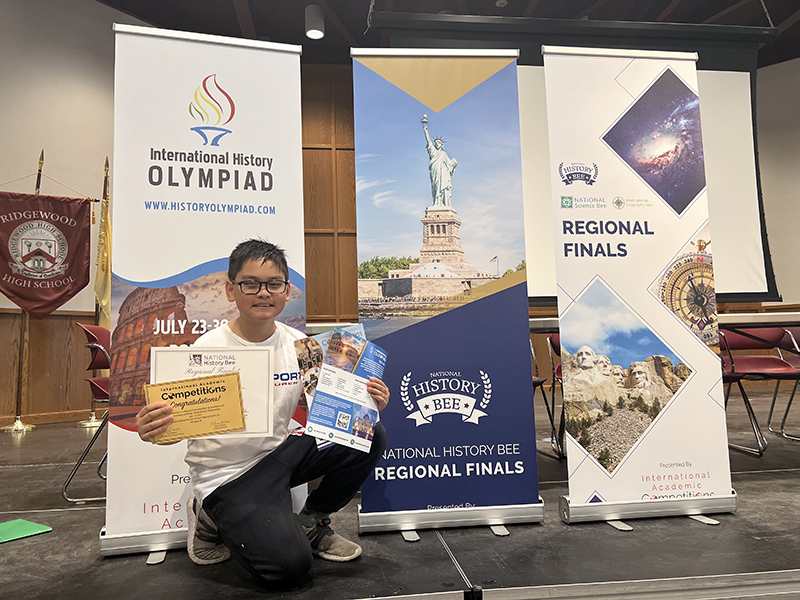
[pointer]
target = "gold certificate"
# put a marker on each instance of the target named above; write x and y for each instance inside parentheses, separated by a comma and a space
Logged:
(253, 363)
(201, 406)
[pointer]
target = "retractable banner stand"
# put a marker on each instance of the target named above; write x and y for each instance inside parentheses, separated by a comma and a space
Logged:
(207, 153)
(442, 287)
(644, 402)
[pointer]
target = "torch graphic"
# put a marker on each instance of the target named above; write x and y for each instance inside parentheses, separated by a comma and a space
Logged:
(214, 107)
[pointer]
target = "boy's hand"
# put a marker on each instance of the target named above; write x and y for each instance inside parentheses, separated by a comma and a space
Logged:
(153, 420)
(379, 392)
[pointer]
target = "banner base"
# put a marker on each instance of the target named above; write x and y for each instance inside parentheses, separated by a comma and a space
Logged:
(136, 543)
(607, 511)
(405, 520)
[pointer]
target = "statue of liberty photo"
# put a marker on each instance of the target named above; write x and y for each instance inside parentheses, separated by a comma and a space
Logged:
(441, 168)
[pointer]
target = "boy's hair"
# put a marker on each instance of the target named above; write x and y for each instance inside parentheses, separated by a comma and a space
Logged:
(256, 249)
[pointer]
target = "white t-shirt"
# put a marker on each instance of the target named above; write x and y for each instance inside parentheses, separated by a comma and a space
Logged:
(214, 461)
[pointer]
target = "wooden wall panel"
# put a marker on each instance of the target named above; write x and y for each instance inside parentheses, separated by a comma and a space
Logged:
(343, 99)
(9, 364)
(329, 184)
(53, 387)
(348, 278)
(346, 190)
(320, 277)
(58, 361)
(316, 103)
(318, 190)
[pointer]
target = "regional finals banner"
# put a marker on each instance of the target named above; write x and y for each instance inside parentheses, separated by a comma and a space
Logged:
(207, 153)
(644, 402)
(442, 287)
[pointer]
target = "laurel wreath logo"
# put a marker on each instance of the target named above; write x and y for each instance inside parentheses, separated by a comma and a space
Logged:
(565, 179)
(404, 391)
(487, 390)
(406, 380)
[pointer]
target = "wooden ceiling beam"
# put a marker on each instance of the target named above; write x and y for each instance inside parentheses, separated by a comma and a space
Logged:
(786, 23)
(667, 11)
(722, 13)
(245, 17)
(591, 9)
(530, 8)
(387, 7)
(337, 23)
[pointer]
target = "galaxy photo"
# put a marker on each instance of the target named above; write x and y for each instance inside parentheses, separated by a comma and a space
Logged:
(659, 137)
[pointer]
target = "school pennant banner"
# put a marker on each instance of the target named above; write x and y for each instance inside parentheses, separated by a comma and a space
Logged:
(44, 250)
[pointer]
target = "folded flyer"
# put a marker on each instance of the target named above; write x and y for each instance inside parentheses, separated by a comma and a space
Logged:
(341, 409)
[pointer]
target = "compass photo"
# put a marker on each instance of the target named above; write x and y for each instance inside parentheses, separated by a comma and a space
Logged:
(687, 289)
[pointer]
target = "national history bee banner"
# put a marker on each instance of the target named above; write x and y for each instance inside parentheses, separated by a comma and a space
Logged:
(207, 154)
(645, 414)
(442, 287)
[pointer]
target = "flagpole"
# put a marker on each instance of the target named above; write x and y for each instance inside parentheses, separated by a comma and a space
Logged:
(22, 370)
(93, 421)
(39, 173)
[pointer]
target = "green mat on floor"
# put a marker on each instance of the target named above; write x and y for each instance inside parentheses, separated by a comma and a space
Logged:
(20, 528)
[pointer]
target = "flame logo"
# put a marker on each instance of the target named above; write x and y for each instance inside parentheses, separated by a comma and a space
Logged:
(212, 105)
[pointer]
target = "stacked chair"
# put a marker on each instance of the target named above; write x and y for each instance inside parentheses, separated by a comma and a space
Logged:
(793, 358)
(538, 382)
(99, 340)
(556, 431)
(753, 367)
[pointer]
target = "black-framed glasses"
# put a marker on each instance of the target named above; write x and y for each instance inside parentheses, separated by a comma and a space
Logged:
(251, 288)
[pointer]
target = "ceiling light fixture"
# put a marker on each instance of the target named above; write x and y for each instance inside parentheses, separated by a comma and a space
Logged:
(315, 22)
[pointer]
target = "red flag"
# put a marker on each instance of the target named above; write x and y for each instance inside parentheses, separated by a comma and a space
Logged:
(44, 250)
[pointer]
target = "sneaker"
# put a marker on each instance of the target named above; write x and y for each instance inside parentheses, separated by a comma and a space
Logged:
(204, 544)
(329, 545)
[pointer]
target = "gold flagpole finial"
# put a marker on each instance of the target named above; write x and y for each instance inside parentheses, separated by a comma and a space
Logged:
(105, 187)
(105, 181)
(39, 172)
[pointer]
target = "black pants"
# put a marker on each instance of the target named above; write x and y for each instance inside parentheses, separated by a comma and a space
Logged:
(254, 511)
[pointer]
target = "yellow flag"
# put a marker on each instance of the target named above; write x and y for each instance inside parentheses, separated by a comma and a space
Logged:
(102, 280)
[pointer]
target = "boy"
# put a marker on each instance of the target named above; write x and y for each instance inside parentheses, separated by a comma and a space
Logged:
(242, 504)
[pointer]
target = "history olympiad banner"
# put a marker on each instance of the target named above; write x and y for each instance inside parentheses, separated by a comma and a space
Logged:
(442, 287)
(637, 309)
(207, 153)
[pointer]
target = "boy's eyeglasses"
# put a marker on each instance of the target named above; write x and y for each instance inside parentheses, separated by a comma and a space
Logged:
(251, 288)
